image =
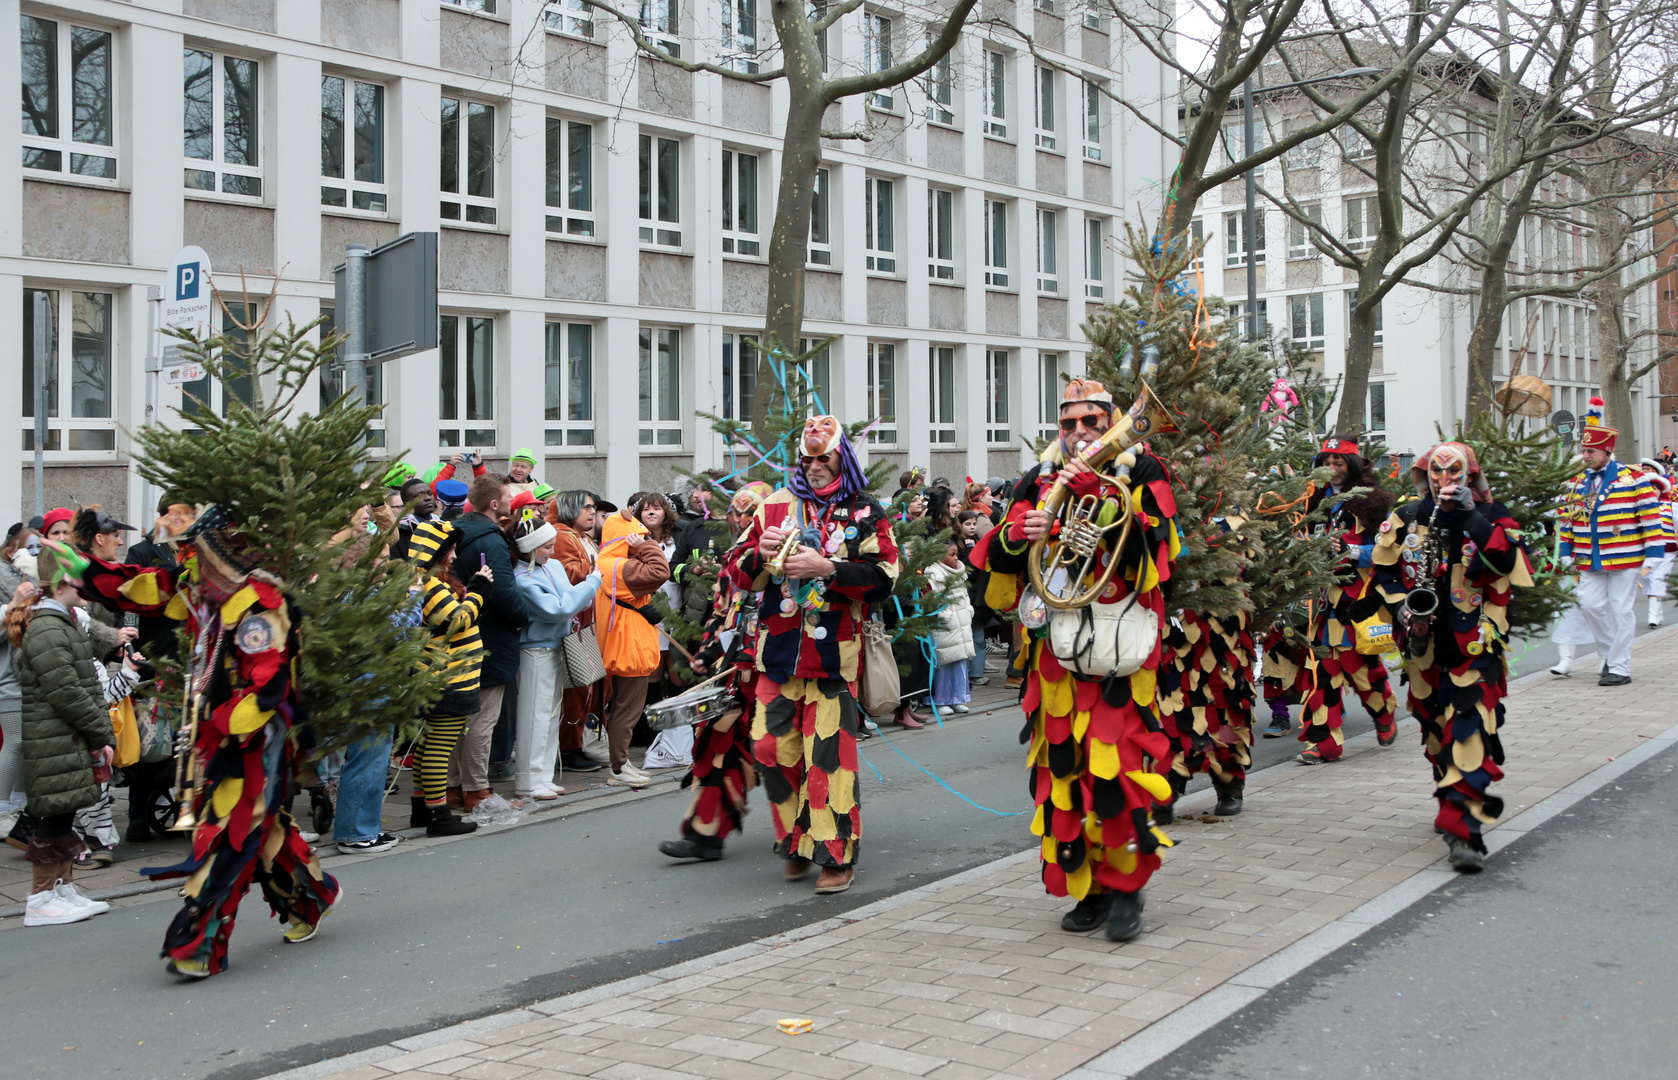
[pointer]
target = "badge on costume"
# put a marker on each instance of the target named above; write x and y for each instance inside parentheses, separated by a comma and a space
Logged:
(819, 633)
(850, 532)
(1469, 547)
(254, 635)
(1386, 526)
(1413, 542)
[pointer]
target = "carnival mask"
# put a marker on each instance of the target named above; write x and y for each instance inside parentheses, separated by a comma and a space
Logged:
(1448, 465)
(821, 436)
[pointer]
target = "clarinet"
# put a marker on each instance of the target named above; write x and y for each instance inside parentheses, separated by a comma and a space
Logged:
(1422, 602)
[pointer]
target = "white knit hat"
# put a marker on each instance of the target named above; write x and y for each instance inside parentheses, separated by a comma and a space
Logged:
(534, 538)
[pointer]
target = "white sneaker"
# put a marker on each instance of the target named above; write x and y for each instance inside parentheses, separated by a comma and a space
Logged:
(629, 776)
(50, 909)
(637, 772)
(72, 895)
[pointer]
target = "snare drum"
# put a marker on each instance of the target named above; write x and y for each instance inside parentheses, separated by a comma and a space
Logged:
(704, 703)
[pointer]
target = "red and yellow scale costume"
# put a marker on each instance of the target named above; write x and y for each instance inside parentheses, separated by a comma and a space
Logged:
(245, 650)
(1098, 755)
(1208, 698)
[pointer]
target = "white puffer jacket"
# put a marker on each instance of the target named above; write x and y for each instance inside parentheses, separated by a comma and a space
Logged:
(954, 640)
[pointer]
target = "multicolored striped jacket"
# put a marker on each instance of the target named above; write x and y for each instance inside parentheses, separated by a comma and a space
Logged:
(1611, 519)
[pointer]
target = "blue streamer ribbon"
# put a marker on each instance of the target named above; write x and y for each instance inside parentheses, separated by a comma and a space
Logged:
(939, 780)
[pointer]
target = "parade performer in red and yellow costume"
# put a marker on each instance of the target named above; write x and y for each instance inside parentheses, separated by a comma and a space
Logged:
(822, 553)
(1098, 754)
(1459, 550)
(244, 646)
(723, 773)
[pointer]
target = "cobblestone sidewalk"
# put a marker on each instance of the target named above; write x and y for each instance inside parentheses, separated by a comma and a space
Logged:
(974, 979)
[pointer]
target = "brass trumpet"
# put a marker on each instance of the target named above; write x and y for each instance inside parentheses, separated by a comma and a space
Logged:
(1082, 535)
(789, 544)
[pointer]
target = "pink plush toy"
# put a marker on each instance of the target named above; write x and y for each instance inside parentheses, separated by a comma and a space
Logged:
(1281, 399)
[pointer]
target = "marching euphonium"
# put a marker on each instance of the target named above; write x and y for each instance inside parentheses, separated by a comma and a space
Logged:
(1058, 563)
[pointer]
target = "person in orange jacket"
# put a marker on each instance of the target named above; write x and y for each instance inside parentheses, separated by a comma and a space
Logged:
(632, 567)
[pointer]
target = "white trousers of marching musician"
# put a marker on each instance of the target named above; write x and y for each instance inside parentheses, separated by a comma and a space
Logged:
(1607, 602)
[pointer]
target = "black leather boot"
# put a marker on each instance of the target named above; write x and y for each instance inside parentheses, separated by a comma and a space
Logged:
(690, 849)
(444, 823)
(1090, 913)
(1124, 916)
(419, 815)
(1166, 813)
(1229, 796)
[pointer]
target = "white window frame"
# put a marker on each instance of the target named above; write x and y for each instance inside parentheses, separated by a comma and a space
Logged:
(1092, 95)
(739, 375)
(461, 206)
(1380, 329)
(877, 54)
(942, 394)
(1361, 222)
(882, 392)
(1197, 234)
(657, 396)
(994, 91)
(1044, 89)
(661, 20)
(1299, 234)
(741, 203)
(820, 252)
(68, 435)
(1235, 247)
(739, 34)
(350, 187)
(1091, 15)
(573, 215)
(1095, 258)
(217, 168)
(998, 387)
(1377, 393)
(71, 150)
(332, 381)
(573, 18)
(1049, 372)
(940, 89)
(818, 373)
(568, 385)
(942, 231)
(1238, 312)
(1305, 155)
(457, 333)
(1045, 6)
(879, 217)
(1354, 147)
(652, 182)
(487, 7)
(1048, 250)
(995, 227)
(1305, 321)
(212, 390)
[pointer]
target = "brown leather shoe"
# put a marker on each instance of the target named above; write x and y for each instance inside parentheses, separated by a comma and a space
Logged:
(834, 879)
(471, 799)
(795, 868)
(454, 798)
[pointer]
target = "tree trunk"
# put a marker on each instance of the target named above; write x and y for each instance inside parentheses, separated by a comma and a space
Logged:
(1360, 357)
(788, 249)
(1484, 339)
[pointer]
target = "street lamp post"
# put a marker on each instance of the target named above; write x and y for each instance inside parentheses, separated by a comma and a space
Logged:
(1250, 219)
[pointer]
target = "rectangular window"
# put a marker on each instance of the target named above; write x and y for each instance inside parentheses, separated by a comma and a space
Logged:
(1047, 6)
(1354, 146)
(879, 239)
(941, 380)
(882, 392)
(739, 376)
(1235, 238)
(220, 123)
(996, 243)
(1095, 256)
(739, 34)
(661, 191)
(1305, 155)
(662, 21)
(68, 124)
(818, 374)
(1045, 87)
(996, 93)
(1092, 16)
(570, 176)
(352, 144)
(332, 380)
(573, 17)
(1362, 221)
(487, 6)
(1048, 255)
(1051, 385)
(1197, 234)
(1377, 407)
(815, 11)
(940, 90)
(568, 384)
(821, 223)
(997, 389)
(1238, 312)
(468, 180)
(739, 203)
(876, 53)
(1299, 233)
(1306, 320)
(661, 386)
(79, 408)
(1092, 119)
(1352, 302)
(940, 234)
(466, 381)
(238, 322)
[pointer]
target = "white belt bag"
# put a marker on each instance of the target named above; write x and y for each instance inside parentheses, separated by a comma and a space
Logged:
(1104, 640)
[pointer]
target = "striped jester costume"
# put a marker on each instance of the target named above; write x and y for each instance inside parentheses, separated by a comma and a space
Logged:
(452, 622)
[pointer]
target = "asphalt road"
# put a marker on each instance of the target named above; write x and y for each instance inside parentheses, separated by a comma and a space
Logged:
(1559, 961)
(437, 934)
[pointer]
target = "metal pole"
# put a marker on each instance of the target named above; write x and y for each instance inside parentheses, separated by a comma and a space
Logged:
(354, 323)
(43, 332)
(1250, 220)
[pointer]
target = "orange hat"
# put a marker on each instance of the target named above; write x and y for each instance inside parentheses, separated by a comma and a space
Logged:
(1086, 390)
(822, 435)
